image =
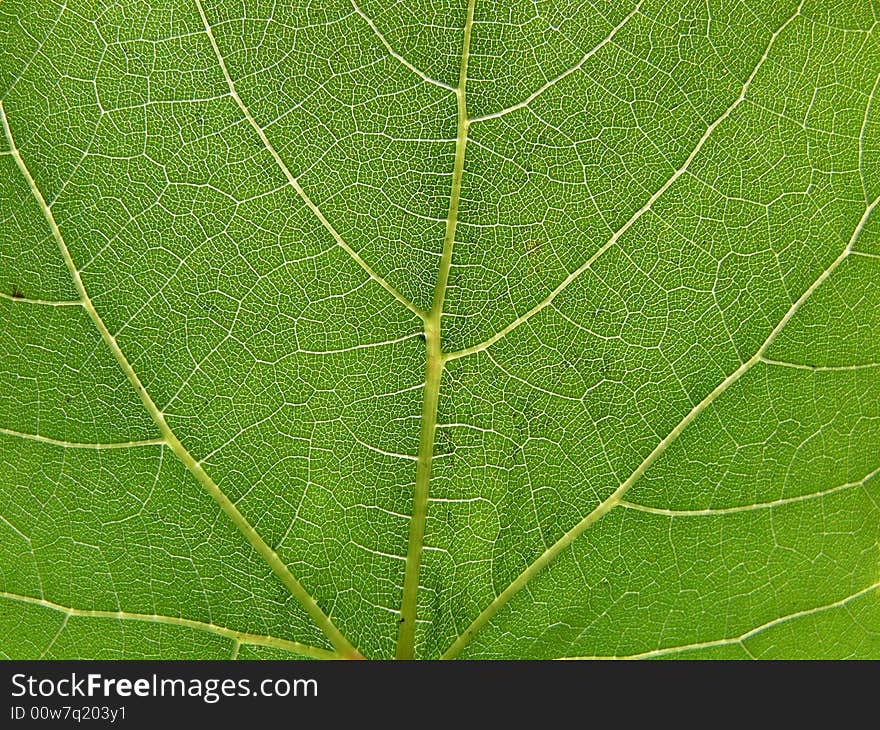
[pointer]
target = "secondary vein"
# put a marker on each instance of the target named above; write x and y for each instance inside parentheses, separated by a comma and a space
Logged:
(339, 642)
(741, 639)
(551, 553)
(82, 445)
(433, 370)
(618, 234)
(394, 54)
(294, 183)
(241, 637)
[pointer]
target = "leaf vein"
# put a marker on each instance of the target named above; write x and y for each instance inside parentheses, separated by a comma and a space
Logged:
(294, 183)
(397, 56)
(742, 637)
(612, 241)
(239, 520)
(781, 502)
(81, 445)
(241, 637)
(433, 370)
(556, 79)
(549, 555)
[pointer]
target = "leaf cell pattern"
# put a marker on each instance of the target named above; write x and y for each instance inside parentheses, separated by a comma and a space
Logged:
(440, 329)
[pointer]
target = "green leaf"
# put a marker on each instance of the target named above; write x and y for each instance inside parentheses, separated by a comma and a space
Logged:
(464, 329)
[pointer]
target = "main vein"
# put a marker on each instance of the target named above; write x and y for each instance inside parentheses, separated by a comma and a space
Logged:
(339, 642)
(433, 370)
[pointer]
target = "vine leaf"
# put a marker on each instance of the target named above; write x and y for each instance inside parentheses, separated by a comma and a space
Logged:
(456, 329)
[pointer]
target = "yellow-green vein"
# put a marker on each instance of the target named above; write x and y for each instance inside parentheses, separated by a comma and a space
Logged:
(241, 637)
(552, 552)
(339, 642)
(433, 371)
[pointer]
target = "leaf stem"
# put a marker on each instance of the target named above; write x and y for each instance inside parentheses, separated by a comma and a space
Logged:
(433, 370)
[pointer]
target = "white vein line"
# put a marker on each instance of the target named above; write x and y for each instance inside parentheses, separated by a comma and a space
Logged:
(81, 445)
(55, 638)
(376, 449)
(589, 54)
(550, 554)
(866, 254)
(361, 346)
(38, 50)
(748, 507)
(240, 636)
(44, 302)
(820, 368)
(417, 71)
(254, 539)
(638, 214)
(292, 180)
(742, 637)
(862, 132)
(17, 532)
(528, 384)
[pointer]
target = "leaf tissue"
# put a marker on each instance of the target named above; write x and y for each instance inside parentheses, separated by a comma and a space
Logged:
(440, 329)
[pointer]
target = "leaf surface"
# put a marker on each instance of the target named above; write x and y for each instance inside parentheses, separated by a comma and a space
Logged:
(440, 329)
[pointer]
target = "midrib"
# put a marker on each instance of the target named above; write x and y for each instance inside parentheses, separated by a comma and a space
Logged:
(434, 363)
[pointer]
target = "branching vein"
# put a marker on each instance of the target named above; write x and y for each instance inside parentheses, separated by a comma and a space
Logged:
(340, 643)
(781, 502)
(239, 636)
(417, 71)
(433, 371)
(554, 81)
(436, 360)
(294, 183)
(549, 555)
(742, 637)
(81, 445)
(41, 302)
(563, 285)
